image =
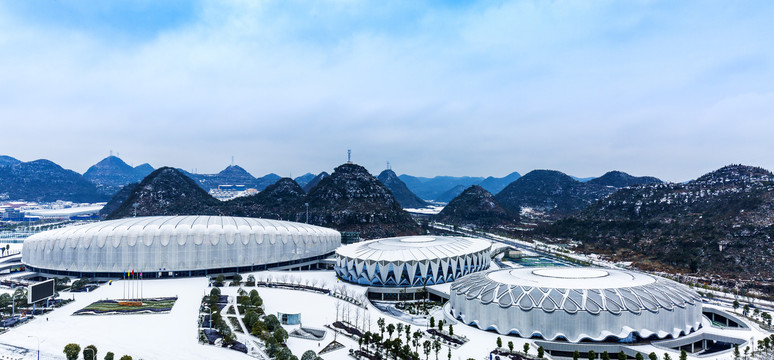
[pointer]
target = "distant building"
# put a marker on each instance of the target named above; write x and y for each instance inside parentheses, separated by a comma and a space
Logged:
(11, 214)
(350, 237)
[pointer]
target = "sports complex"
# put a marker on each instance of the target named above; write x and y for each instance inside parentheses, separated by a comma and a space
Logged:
(561, 308)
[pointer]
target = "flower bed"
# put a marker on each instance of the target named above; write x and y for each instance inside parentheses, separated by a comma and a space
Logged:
(349, 329)
(113, 307)
(447, 338)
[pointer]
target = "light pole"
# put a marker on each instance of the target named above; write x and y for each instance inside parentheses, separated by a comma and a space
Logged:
(37, 338)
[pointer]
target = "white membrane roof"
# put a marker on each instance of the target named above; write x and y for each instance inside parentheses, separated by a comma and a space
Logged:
(411, 248)
(571, 278)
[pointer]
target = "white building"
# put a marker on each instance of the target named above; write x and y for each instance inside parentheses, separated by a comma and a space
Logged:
(162, 246)
(575, 304)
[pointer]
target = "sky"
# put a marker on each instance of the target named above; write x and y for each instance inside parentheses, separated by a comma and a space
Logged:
(672, 89)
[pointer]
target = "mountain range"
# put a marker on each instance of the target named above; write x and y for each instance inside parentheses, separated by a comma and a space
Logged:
(232, 175)
(44, 181)
(112, 173)
(350, 199)
(404, 196)
(718, 223)
(478, 207)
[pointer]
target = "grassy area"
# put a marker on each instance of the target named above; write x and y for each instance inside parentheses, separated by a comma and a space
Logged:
(111, 307)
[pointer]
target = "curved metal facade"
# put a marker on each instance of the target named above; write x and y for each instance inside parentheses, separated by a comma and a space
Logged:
(411, 261)
(176, 243)
(537, 302)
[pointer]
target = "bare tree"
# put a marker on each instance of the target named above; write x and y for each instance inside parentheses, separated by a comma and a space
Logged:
(357, 317)
(337, 304)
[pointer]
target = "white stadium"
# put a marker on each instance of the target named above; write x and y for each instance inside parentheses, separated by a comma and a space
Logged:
(575, 304)
(170, 246)
(411, 261)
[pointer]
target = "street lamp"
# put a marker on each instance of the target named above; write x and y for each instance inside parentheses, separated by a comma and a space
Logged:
(29, 336)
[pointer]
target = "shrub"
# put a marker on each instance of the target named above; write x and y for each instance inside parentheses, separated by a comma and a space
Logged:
(90, 352)
(72, 351)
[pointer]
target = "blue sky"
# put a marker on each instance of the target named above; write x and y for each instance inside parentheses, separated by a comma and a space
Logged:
(664, 88)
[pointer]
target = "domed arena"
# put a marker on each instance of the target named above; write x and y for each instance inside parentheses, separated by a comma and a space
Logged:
(162, 246)
(411, 261)
(575, 304)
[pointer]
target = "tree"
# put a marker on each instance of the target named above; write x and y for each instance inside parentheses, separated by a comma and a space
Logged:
(746, 309)
(72, 351)
(510, 347)
(219, 280)
(526, 348)
(426, 349)
(236, 280)
(542, 351)
(622, 355)
(251, 282)
(432, 322)
(126, 357)
(736, 352)
(592, 355)
(736, 305)
(390, 330)
(440, 326)
(215, 292)
(499, 342)
(605, 355)
(417, 335)
(436, 347)
(280, 335)
(109, 356)
(683, 355)
(308, 355)
(652, 356)
(379, 322)
(451, 330)
(576, 355)
(639, 356)
(90, 353)
(408, 334)
(251, 317)
(667, 357)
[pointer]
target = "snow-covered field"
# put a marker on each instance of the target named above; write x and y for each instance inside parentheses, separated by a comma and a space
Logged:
(174, 335)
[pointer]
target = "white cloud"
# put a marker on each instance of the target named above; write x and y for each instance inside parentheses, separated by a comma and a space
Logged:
(582, 87)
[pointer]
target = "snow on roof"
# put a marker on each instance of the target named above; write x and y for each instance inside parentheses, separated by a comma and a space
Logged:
(413, 248)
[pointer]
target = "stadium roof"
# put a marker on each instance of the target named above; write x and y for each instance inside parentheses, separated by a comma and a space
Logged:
(413, 248)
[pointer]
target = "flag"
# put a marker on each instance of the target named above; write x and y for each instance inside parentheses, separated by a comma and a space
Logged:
(140, 273)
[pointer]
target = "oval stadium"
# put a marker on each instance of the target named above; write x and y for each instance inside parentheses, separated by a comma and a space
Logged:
(162, 246)
(411, 261)
(576, 304)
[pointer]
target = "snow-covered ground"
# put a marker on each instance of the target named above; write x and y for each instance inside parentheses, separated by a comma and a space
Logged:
(174, 335)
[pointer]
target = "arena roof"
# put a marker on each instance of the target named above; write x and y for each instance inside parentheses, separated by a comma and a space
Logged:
(176, 243)
(576, 303)
(413, 248)
(576, 289)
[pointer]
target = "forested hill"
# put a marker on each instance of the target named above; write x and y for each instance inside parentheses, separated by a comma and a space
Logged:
(719, 223)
